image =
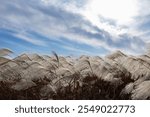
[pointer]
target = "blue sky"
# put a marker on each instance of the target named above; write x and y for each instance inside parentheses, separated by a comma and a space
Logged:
(75, 27)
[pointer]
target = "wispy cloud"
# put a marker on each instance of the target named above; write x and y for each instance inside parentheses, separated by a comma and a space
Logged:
(64, 20)
(30, 39)
(76, 50)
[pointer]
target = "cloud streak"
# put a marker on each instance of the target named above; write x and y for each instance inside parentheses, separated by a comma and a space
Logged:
(54, 21)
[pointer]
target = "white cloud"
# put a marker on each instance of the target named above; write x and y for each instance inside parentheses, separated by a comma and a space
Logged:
(120, 10)
(76, 50)
(29, 39)
(68, 20)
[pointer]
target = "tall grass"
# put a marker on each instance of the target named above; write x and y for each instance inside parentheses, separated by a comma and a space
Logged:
(102, 80)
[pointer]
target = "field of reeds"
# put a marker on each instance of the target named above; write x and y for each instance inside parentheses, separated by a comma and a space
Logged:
(40, 77)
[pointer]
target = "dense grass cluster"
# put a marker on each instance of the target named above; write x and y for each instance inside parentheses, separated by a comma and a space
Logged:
(99, 90)
(113, 77)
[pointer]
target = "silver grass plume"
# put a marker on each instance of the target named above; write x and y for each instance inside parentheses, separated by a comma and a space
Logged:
(57, 58)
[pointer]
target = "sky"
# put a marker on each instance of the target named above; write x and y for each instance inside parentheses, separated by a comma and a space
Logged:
(75, 27)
